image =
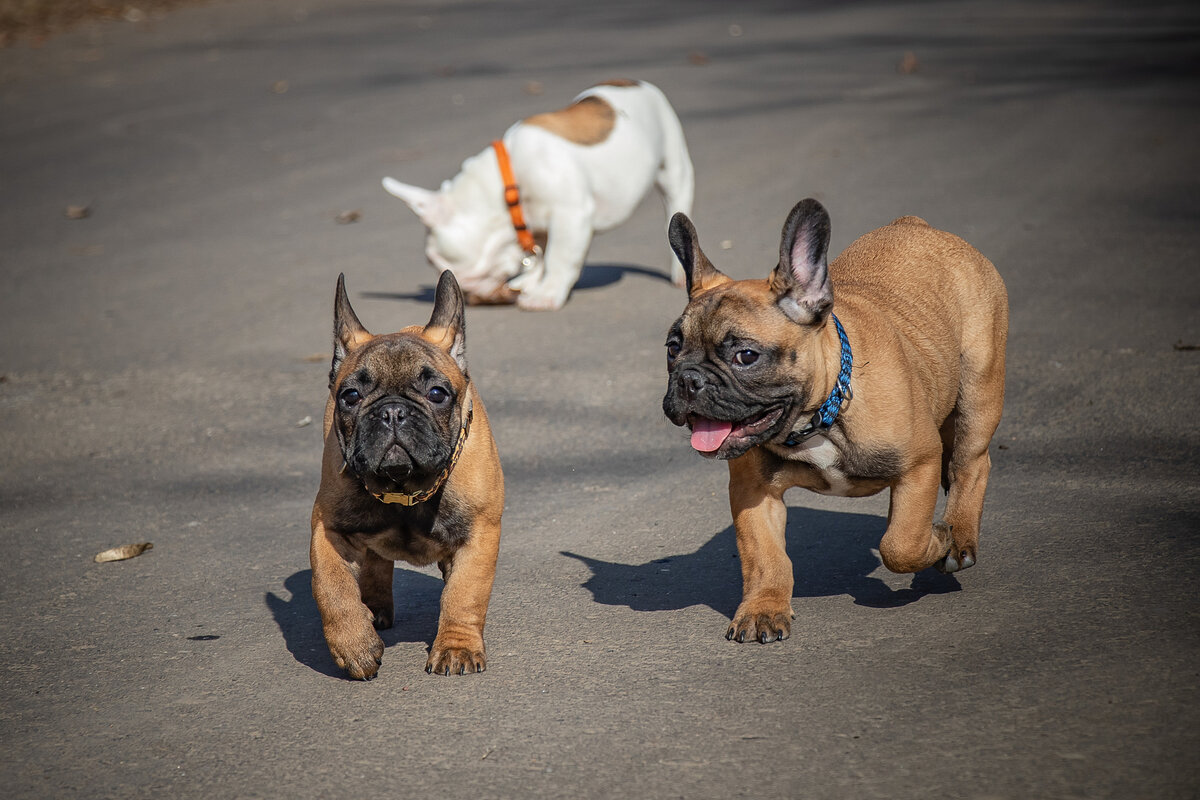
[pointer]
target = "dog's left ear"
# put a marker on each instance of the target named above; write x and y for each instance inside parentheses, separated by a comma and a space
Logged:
(447, 325)
(700, 272)
(801, 279)
(348, 332)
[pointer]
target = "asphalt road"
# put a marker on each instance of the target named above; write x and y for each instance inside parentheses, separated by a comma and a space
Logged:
(161, 357)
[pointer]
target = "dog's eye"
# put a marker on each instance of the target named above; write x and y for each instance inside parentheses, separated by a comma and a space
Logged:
(437, 395)
(745, 358)
(350, 397)
(673, 349)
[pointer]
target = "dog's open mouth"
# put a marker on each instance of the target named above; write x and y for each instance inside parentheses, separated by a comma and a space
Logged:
(711, 435)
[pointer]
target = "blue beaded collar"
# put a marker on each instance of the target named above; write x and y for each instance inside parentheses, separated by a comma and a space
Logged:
(824, 417)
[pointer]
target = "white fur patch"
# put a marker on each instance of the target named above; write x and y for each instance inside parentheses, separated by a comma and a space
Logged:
(821, 454)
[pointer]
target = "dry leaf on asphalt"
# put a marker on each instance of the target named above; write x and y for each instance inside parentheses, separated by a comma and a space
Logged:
(123, 552)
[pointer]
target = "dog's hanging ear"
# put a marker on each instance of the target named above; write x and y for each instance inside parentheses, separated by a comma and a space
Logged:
(447, 325)
(432, 208)
(801, 279)
(348, 332)
(701, 274)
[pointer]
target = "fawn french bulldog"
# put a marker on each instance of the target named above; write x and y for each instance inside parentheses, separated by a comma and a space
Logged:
(410, 472)
(882, 370)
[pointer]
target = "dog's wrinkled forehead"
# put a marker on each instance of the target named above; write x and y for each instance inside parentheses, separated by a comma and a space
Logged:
(400, 359)
(742, 310)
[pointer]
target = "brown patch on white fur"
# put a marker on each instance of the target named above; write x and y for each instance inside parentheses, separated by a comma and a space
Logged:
(588, 121)
(624, 83)
(502, 295)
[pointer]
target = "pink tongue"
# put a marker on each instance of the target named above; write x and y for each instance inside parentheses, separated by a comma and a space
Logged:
(709, 434)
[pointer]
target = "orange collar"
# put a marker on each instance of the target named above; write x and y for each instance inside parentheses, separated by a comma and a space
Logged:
(512, 196)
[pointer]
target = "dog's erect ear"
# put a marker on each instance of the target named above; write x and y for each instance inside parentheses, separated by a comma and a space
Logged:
(801, 279)
(348, 332)
(447, 325)
(701, 274)
(432, 208)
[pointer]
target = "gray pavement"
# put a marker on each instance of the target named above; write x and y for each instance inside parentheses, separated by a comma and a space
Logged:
(159, 357)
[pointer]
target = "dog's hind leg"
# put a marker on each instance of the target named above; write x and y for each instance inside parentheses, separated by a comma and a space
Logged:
(967, 465)
(375, 584)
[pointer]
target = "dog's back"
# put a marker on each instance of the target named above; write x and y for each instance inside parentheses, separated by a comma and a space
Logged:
(941, 296)
(623, 122)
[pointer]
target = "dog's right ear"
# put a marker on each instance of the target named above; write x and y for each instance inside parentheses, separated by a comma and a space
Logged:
(348, 332)
(701, 274)
(432, 208)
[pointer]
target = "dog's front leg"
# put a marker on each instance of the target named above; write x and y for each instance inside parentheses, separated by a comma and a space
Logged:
(760, 518)
(913, 541)
(469, 572)
(348, 624)
(568, 237)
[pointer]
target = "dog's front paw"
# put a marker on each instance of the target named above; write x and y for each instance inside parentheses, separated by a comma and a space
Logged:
(455, 659)
(359, 652)
(543, 297)
(760, 624)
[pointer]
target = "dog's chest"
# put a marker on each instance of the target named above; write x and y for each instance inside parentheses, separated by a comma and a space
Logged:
(405, 544)
(416, 534)
(824, 458)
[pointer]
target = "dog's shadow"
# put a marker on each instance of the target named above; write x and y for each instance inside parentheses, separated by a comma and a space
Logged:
(416, 595)
(831, 555)
(594, 276)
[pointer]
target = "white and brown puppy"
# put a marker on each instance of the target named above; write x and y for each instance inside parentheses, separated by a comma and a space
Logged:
(579, 170)
(884, 369)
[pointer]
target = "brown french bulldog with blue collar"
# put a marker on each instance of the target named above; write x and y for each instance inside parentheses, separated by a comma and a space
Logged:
(882, 370)
(410, 472)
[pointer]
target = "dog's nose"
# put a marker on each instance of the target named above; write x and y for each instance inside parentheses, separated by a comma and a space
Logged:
(691, 381)
(392, 415)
